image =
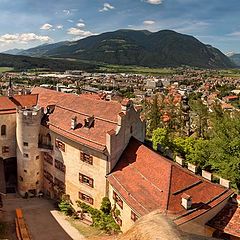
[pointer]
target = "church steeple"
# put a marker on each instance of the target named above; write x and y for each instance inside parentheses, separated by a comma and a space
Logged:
(10, 89)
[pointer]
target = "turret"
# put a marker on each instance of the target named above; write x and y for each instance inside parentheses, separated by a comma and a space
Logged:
(29, 165)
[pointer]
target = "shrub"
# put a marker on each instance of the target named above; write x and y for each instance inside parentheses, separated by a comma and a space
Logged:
(102, 219)
(66, 208)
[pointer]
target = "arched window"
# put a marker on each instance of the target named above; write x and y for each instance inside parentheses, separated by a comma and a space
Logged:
(3, 130)
(48, 139)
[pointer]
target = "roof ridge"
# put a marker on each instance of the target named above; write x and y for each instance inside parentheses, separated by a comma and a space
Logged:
(85, 114)
(169, 188)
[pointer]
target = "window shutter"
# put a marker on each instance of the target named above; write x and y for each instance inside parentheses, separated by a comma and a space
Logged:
(91, 182)
(91, 201)
(80, 177)
(90, 160)
(82, 156)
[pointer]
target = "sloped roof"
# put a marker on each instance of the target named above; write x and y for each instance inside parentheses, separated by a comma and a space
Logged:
(228, 219)
(68, 106)
(8, 105)
(147, 181)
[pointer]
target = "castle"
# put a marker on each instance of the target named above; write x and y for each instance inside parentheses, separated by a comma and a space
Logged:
(87, 147)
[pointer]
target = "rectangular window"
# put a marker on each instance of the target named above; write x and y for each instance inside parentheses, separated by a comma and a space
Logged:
(118, 200)
(37, 157)
(86, 158)
(25, 144)
(60, 166)
(134, 216)
(86, 180)
(60, 145)
(48, 158)
(5, 149)
(48, 176)
(85, 198)
(119, 221)
(60, 184)
(25, 155)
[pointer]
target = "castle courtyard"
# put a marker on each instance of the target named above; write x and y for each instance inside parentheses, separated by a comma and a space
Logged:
(39, 219)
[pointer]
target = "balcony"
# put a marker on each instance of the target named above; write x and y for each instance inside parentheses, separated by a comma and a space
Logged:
(45, 147)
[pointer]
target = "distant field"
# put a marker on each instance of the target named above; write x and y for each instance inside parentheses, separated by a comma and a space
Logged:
(135, 69)
(5, 69)
(234, 73)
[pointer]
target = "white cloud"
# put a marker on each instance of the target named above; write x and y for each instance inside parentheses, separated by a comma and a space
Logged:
(234, 34)
(81, 25)
(59, 26)
(79, 32)
(154, 1)
(70, 20)
(148, 22)
(46, 26)
(23, 38)
(67, 12)
(106, 7)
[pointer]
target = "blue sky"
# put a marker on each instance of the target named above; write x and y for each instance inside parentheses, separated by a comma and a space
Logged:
(28, 23)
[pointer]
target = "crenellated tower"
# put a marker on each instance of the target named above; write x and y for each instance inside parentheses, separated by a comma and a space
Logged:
(29, 165)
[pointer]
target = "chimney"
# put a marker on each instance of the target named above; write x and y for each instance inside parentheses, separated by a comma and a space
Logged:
(74, 123)
(89, 122)
(186, 201)
(126, 104)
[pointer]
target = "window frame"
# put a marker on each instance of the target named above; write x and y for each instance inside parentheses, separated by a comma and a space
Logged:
(117, 199)
(48, 158)
(5, 149)
(87, 158)
(90, 182)
(59, 165)
(60, 145)
(134, 216)
(86, 198)
(4, 130)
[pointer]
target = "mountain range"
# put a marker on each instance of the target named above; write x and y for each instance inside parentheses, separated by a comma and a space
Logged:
(235, 57)
(164, 48)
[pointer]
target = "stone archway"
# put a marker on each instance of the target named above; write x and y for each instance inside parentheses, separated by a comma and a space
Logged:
(8, 171)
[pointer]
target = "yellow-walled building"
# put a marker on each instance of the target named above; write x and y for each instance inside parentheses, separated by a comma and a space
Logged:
(88, 148)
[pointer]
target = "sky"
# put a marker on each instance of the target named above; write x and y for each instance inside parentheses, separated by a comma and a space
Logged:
(28, 23)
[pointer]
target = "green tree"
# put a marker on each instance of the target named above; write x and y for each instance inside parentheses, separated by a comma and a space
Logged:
(153, 115)
(161, 137)
(199, 117)
(106, 206)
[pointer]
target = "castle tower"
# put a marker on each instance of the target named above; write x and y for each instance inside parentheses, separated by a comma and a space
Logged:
(29, 165)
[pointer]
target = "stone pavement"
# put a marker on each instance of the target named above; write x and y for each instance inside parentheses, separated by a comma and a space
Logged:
(38, 215)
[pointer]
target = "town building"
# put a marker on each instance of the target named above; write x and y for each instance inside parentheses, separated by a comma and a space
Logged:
(87, 148)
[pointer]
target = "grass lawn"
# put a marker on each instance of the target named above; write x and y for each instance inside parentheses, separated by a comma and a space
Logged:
(5, 69)
(234, 73)
(86, 230)
(136, 70)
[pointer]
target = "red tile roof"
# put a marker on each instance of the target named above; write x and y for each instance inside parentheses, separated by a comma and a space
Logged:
(147, 181)
(228, 220)
(8, 105)
(68, 106)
